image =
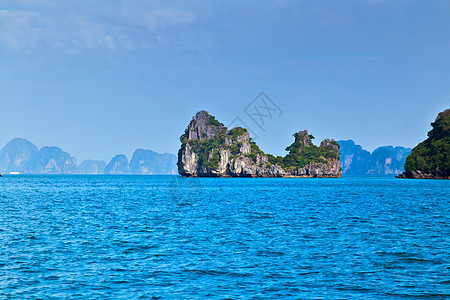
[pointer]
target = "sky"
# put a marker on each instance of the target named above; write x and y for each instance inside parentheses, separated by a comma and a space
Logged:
(99, 78)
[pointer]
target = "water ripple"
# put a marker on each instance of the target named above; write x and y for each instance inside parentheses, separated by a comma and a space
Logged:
(158, 237)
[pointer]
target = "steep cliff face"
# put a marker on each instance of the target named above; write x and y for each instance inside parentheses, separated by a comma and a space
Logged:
(354, 159)
(382, 161)
(431, 158)
(118, 165)
(388, 160)
(52, 160)
(151, 162)
(90, 166)
(22, 156)
(209, 149)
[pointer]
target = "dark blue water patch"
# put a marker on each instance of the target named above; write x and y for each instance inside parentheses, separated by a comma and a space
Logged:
(164, 237)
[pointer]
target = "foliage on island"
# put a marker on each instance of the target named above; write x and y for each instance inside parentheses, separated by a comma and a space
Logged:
(207, 149)
(432, 156)
(300, 153)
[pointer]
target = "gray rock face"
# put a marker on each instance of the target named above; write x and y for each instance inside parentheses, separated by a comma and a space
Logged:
(304, 139)
(209, 149)
(388, 160)
(418, 174)
(91, 167)
(150, 162)
(354, 159)
(382, 161)
(203, 126)
(118, 165)
(52, 160)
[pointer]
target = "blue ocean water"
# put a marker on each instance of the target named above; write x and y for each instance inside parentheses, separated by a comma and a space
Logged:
(159, 237)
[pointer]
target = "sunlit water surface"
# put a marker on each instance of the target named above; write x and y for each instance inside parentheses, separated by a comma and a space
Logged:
(170, 237)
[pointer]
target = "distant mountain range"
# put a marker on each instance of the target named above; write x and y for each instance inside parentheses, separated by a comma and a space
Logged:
(22, 156)
(382, 161)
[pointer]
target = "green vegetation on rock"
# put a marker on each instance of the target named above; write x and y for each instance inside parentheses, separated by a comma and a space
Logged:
(432, 156)
(213, 145)
(255, 151)
(303, 152)
(206, 148)
(236, 132)
(213, 121)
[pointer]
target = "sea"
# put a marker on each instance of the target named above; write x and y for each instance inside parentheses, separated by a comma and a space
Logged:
(168, 237)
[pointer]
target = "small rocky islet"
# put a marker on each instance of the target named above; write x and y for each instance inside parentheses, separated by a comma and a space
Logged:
(210, 149)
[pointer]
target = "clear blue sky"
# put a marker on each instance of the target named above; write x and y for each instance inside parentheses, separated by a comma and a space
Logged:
(100, 77)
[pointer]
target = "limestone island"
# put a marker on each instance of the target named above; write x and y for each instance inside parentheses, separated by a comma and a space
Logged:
(209, 149)
(431, 158)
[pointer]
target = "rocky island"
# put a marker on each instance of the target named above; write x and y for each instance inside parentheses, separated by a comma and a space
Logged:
(209, 149)
(431, 158)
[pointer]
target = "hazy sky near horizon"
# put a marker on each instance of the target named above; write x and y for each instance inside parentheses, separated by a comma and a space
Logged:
(100, 78)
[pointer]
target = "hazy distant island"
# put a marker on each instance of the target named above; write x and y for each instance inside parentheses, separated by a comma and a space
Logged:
(431, 158)
(386, 160)
(209, 149)
(23, 157)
